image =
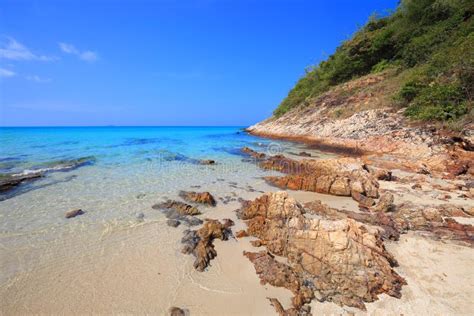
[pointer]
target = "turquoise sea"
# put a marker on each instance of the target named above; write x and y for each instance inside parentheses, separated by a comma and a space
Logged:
(114, 174)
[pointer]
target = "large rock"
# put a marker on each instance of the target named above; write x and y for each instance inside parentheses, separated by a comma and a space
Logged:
(329, 176)
(343, 261)
(198, 197)
(200, 242)
(436, 222)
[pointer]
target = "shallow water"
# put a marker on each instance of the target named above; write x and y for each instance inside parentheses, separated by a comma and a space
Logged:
(128, 170)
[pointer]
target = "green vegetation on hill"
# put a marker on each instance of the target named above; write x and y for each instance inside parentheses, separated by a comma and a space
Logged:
(431, 41)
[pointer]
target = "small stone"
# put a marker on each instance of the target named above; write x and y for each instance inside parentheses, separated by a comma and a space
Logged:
(173, 222)
(207, 162)
(176, 311)
(74, 213)
(241, 233)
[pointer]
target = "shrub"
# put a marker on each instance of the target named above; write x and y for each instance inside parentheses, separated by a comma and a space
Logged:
(438, 102)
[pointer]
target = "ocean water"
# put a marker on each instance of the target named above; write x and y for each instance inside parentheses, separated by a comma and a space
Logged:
(114, 174)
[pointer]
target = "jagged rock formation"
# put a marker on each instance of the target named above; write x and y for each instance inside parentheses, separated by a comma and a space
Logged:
(343, 261)
(200, 242)
(344, 176)
(198, 197)
(435, 221)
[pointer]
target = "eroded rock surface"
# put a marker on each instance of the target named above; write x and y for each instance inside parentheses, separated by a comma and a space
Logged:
(343, 177)
(200, 242)
(198, 197)
(343, 261)
(435, 221)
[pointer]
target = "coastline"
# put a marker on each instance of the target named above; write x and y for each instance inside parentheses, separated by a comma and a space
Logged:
(134, 266)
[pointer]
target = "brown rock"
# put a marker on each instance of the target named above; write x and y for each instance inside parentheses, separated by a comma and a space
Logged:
(385, 204)
(176, 311)
(341, 186)
(241, 233)
(207, 162)
(74, 213)
(198, 197)
(200, 242)
(317, 251)
(179, 207)
(363, 200)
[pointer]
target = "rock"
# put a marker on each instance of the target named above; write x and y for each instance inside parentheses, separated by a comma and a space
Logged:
(179, 212)
(317, 251)
(416, 186)
(74, 213)
(304, 154)
(176, 311)
(252, 153)
(198, 197)
(341, 186)
(9, 182)
(207, 162)
(180, 207)
(200, 242)
(173, 222)
(363, 200)
(241, 233)
(385, 204)
(444, 197)
(140, 217)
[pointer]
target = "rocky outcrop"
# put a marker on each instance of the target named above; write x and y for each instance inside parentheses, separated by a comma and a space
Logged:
(343, 177)
(433, 221)
(343, 261)
(198, 197)
(200, 242)
(73, 213)
(9, 182)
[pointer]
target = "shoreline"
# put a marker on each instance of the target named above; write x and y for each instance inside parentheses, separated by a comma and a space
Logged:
(140, 267)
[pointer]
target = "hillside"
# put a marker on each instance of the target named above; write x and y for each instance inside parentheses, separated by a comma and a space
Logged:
(422, 55)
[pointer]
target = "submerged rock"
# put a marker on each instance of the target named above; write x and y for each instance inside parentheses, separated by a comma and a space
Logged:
(207, 162)
(9, 181)
(74, 213)
(178, 212)
(198, 197)
(200, 242)
(342, 261)
(179, 207)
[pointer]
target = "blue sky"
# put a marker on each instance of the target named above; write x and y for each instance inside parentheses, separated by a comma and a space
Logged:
(164, 62)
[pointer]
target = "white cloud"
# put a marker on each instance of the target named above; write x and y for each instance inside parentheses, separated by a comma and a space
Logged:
(38, 79)
(6, 73)
(86, 55)
(14, 50)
